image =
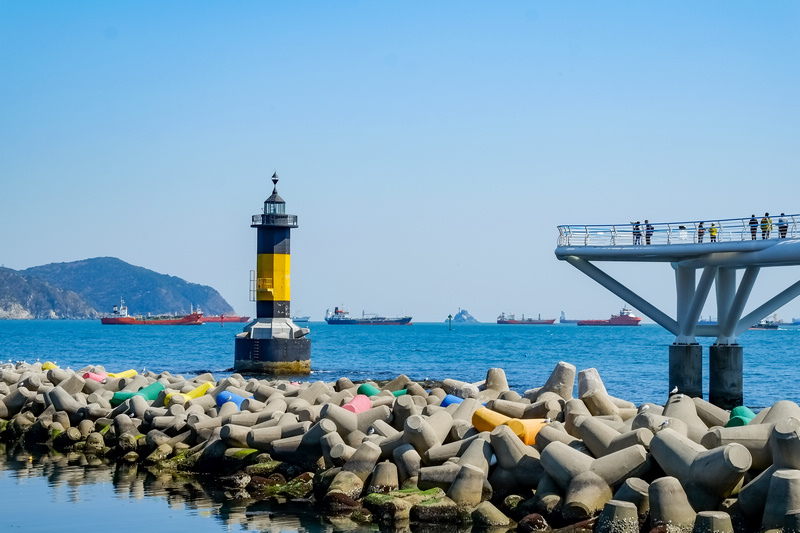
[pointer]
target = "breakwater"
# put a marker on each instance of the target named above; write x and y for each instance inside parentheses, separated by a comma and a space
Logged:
(395, 453)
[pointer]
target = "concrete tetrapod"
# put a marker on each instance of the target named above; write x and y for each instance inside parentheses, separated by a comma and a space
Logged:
(635, 491)
(561, 382)
(783, 497)
(708, 476)
(754, 436)
(712, 522)
(618, 517)
(784, 444)
(602, 440)
(587, 482)
(467, 488)
(516, 461)
(669, 506)
(683, 408)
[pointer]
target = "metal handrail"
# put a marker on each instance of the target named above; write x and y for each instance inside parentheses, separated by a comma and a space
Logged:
(686, 232)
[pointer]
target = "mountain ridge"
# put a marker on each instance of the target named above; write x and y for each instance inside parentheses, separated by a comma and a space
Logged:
(89, 288)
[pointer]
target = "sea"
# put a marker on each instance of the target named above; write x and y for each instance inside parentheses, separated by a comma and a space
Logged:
(49, 492)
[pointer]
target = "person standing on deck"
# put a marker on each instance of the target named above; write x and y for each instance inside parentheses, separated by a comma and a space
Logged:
(766, 226)
(712, 231)
(783, 225)
(637, 233)
(648, 231)
(753, 226)
(700, 232)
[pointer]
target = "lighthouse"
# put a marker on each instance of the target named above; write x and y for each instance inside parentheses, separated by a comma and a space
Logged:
(272, 343)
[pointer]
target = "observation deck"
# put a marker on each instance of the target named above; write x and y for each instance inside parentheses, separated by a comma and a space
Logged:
(718, 248)
(735, 244)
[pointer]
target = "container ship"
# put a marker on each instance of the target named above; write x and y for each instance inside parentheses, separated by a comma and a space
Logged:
(624, 318)
(119, 316)
(340, 316)
(511, 319)
(226, 318)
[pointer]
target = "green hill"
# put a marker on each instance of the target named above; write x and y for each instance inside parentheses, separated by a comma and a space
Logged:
(24, 296)
(101, 282)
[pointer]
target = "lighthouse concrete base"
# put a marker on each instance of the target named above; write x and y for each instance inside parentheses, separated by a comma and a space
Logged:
(272, 356)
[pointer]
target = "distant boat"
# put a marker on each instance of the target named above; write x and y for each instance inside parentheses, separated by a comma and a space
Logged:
(709, 322)
(766, 323)
(565, 320)
(119, 316)
(301, 319)
(342, 317)
(511, 319)
(624, 318)
(226, 318)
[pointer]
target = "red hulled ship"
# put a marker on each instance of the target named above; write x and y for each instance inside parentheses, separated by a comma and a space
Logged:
(624, 318)
(120, 316)
(512, 319)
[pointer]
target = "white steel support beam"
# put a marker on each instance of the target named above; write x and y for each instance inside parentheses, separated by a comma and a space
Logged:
(659, 317)
(688, 320)
(685, 281)
(727, 329)
(726, 291)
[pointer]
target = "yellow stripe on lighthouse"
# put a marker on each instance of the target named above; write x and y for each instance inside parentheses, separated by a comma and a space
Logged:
(272, 283)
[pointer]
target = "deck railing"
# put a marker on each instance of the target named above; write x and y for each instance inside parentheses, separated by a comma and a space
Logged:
(688, 232)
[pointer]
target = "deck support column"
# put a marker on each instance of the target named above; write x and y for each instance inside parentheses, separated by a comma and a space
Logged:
(726, 370)
(686, 369)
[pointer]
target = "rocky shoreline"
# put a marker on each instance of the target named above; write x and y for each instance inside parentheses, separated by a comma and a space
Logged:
(443, 456)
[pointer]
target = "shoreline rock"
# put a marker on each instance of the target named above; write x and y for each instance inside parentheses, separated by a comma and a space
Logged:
(396, 453)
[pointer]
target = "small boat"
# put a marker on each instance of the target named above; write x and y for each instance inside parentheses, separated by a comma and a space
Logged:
(709, 322)
(511, 319)
(301, 319)
(624, 318)
(340, 316)
(766, 323)
(119, 316)
(565, 320)
(225, 318)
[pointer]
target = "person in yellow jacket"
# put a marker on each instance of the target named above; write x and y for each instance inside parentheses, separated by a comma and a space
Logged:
(713, 232)
(766, 226)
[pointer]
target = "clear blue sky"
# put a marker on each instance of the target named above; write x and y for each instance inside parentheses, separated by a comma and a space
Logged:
(428, 148)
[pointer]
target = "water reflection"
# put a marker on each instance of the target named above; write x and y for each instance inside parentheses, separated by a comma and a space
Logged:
(197, 495)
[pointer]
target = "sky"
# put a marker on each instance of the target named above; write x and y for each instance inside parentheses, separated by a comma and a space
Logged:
(429, 149)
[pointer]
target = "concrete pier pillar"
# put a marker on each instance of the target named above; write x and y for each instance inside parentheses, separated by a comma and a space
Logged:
(725, 383)
(686, 369)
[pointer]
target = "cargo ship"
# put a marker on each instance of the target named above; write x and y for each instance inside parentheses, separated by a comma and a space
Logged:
(511, 319)
(226, 318)
(301, 319)
(340, 316)
(624, 318)
(119, 316)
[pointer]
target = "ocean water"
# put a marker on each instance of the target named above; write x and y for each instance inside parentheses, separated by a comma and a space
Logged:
(44, 493)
